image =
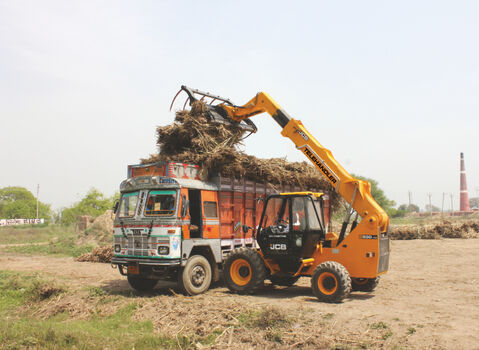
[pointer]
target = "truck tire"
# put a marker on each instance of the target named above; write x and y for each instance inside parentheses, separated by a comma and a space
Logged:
(244, 271)
(141, 284)
(364, 284)
(196, 275)
(331, 282)
(284, 281)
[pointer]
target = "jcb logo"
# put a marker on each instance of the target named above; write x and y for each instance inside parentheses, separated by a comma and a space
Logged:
(277, 246)
(303, 135)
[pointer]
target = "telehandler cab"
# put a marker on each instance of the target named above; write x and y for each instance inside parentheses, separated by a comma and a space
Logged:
(291, 238)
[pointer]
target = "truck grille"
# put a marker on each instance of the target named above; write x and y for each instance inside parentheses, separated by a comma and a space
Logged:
(137, 245)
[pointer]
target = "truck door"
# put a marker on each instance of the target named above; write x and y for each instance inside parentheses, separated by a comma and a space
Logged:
(211, 221)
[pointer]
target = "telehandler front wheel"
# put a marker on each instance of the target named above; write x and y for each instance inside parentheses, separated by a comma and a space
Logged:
(331, 282)
(244, 271)
(364, 284)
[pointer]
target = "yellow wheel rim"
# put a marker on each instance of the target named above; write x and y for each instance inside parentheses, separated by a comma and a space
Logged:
(327, 283)
(240, 272)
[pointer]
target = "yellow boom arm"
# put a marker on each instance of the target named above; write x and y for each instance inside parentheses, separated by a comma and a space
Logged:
(354, 191)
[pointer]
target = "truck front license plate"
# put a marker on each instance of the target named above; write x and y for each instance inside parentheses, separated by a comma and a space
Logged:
(133, 270)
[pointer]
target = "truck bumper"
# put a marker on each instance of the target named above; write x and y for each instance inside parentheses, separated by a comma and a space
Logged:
(154, 262)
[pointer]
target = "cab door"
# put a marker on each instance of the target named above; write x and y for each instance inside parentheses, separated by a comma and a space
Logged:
(210, 216)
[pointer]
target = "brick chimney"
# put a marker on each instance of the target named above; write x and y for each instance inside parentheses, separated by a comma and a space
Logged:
(464, 198)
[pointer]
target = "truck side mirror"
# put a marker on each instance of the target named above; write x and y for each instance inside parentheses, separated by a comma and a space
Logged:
(115, 206)
(185, 203)
(246, 228)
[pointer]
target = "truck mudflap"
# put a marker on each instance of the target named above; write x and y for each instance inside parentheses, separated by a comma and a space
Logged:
(156, 262)
(383, 264)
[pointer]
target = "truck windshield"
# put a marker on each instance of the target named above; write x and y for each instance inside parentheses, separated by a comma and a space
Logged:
(128, 204)
(160, 203)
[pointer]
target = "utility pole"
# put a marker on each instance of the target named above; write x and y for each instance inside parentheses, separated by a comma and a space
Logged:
(38, 191)
(442, 205)
(430, 205)
(452, 208)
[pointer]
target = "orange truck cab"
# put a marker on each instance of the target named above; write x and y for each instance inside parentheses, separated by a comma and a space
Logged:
(172, 225)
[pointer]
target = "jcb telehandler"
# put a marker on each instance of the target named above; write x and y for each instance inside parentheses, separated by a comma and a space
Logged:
(291, 235)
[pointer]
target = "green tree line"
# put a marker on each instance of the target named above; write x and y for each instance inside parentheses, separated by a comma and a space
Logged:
(18, 202)
(93, 204)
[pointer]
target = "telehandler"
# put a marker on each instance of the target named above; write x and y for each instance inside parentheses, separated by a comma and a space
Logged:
(291, 238)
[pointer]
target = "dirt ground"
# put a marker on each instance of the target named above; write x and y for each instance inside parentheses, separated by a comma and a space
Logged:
(428, 300)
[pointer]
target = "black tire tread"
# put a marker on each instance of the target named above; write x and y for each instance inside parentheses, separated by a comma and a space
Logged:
(284, 281)
(369, 286)
(141, 284)
(185, 289)
(257, 266)
(344, 281)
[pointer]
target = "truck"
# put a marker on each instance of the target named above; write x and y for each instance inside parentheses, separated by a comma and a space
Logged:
(173, 224)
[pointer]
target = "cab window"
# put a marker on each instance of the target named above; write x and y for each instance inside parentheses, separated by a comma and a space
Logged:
(160, 203)
(277, 212)
(128, 205)
(210, 209)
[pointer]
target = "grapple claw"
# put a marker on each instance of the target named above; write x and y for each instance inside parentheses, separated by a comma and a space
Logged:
(215, 113)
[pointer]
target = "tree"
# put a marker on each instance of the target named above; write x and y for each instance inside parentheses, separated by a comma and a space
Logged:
(18, 202)
(474, 202)
(93, 204)
(432, 208)
(411, 208)
(379, 196)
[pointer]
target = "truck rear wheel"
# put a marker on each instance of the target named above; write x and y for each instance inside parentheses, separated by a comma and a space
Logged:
(244, 271)
(331, 282)
(196, 275)
(141, 284)
(364, 284)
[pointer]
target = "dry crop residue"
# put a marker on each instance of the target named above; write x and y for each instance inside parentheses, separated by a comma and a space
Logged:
(445, 229)
(99, 254)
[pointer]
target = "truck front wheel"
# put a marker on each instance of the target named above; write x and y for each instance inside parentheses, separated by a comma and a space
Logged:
(196, 275)
(141, 284)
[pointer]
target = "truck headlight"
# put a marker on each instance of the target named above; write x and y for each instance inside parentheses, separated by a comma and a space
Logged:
(163, 250)
(117, 248)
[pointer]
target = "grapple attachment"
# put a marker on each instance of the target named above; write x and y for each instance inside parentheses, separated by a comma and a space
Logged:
(215, 113)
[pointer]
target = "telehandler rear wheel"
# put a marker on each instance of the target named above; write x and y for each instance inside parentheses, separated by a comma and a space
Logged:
(364, 284)
(331, 282)
(244, 271)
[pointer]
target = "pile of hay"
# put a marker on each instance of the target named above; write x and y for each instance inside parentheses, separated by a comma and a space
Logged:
(446, 229)
(214, 147)
(100, 254)
(100, 230)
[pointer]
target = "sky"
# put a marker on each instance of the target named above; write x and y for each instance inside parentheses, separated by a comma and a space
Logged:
(391, 88)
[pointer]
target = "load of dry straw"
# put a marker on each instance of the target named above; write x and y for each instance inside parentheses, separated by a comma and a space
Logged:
(214, 147)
